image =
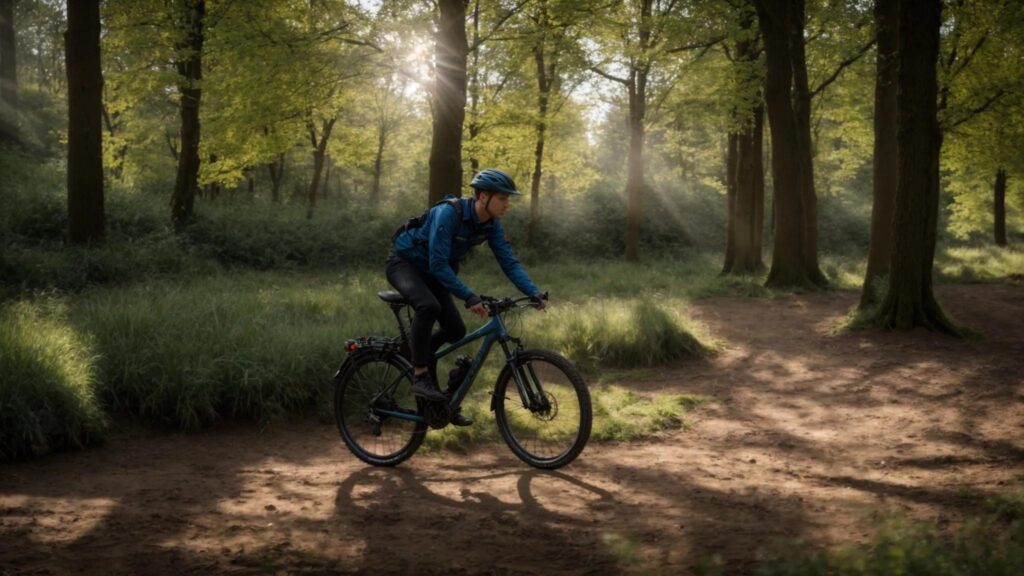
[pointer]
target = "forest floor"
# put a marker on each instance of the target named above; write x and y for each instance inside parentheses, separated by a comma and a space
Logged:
(810, 436)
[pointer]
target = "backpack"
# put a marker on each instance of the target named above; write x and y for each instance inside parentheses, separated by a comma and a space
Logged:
(417, 221)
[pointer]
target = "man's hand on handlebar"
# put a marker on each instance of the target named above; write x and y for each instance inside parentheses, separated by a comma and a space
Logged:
(479, 309)
(539, 300)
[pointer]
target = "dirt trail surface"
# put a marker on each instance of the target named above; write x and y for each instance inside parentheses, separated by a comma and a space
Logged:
(809, 436)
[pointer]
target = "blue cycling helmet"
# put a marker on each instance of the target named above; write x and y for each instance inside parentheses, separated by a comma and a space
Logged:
(492, 180)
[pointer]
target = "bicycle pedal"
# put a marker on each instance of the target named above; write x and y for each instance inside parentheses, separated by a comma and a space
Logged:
(437, 414)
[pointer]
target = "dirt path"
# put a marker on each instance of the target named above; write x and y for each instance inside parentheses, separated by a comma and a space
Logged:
(810, 436)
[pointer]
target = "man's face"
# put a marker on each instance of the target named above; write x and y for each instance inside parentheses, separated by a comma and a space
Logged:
(499, 203)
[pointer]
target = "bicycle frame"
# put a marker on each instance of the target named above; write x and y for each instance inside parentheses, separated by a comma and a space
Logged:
(493, 331)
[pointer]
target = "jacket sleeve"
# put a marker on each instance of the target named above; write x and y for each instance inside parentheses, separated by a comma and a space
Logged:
(443, 226)
(508, 261)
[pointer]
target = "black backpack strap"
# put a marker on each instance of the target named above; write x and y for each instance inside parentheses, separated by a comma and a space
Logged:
(417, 221)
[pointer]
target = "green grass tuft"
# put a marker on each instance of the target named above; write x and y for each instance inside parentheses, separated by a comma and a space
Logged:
(47, 381)
(991, 544)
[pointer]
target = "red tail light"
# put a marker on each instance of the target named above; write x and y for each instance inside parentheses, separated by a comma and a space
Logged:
(351, 346)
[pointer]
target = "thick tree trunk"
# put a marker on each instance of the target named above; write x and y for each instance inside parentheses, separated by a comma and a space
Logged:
(909, 301)
(8, 75)
(745, 180)
(749, 205)
(320, 149)
(635, 164)
(449, 102)
(885, 148)
(999, 207)
(190, 69)
(804, 151)
(85, 123)
(788, 259)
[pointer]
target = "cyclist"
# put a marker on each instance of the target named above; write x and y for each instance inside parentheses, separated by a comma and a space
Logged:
(424, 264)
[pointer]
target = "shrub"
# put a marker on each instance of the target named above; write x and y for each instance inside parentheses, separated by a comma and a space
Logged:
(621, 334)
(47, 381)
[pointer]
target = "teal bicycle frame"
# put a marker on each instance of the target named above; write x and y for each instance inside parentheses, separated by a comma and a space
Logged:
(492, 332)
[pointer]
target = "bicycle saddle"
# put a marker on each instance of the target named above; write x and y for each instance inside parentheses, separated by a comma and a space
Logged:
(391, 297)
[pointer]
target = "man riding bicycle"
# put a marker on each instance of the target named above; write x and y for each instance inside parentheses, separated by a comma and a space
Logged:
(424, 264)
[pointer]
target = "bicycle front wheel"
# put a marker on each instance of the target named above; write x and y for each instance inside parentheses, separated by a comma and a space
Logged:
(370, 384)
(544, 414)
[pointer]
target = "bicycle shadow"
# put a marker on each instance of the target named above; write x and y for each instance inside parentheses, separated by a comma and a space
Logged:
(521, 527)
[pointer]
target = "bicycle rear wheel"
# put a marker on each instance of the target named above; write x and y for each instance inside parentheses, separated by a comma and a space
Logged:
(371, 382)
(553, 431)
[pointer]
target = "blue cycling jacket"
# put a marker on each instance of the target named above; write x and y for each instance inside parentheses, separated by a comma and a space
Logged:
(440, 243)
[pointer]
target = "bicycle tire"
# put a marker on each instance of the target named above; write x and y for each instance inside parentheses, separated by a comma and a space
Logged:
(362, 378)
(530, 435)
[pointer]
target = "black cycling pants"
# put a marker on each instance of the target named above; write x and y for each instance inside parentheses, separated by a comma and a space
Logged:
(432, 303)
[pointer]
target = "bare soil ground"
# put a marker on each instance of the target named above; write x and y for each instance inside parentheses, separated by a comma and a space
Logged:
(810, 436)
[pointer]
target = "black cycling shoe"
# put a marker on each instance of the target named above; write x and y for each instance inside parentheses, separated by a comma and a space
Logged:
(423, 386)
(458, 419)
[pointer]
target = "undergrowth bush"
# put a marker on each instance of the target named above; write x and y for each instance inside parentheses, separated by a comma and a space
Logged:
(47, 381)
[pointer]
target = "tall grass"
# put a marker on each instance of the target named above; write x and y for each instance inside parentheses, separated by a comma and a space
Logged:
(47, 382)
(257, 345)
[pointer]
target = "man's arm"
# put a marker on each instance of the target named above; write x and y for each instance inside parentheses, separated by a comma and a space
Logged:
(443, 226)
(508, 261)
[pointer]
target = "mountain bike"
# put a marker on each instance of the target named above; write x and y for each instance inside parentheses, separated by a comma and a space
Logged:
(540, 401)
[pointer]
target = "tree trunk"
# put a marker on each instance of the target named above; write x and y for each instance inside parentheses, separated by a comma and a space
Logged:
(999, 207)
(745, 181)
(749, 204)
(788, 258)
(449, 102)
(885, 149)
(546, 72)
(378, 165)
(635, 164)
(474, 91)
(276, 169)
(805, 148)
(85, 123)
(318, 160)
(731, 163)
(8, 75)
(190, 69)
(909, 300)
(757, 248)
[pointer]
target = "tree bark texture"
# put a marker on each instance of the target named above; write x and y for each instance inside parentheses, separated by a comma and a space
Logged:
(190, 70)
(319, 151)
(85, 123)
(804, 150)
(747, 210)
(885, 148)
(449, 102)
(910, 301)
(999, 207)
(789, 263)
(8, 75)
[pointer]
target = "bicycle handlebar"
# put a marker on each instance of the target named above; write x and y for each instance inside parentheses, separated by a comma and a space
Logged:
(499, 305)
